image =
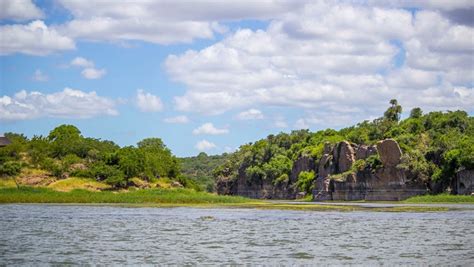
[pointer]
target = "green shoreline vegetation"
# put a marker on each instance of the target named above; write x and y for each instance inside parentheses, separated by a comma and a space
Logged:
(165, 198)
(66, 167)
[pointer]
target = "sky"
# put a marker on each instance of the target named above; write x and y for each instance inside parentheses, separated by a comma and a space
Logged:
(212, 75)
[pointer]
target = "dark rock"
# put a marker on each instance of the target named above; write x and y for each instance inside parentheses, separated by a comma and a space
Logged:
(464, 182)
(364, 151)
(325, 166)
(389, 152)
(344, 156)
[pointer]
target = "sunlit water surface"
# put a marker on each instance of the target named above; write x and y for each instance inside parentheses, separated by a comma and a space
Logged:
(48, 234)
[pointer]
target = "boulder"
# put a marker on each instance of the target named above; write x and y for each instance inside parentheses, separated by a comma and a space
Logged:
(389, 152)
(364, 151)
(344, 156)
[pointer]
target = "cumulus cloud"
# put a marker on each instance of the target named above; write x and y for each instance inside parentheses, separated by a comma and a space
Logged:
(82, 62)
(39, 76)
(251, 114)
(204, 145)
(335, 57)
(69, 103)
(19, 10)
(181, 119)
(93, 73)
(147, 102)
(90, 71)
(34, 38)
(208, 128)
(163, 22)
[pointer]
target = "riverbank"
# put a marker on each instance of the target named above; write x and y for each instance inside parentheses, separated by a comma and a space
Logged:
(184, 198)
(441, 198)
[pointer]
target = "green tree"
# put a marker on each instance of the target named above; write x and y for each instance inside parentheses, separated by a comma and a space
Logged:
(305, 181)
(393, 112)
(65, 139)
(416, 113)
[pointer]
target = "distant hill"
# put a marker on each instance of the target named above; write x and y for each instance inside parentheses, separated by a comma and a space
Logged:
(200, 168)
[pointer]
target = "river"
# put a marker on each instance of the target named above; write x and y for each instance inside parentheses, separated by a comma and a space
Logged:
(62, 234)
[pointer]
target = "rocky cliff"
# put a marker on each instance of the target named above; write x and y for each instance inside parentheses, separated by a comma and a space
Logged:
(338, 180)
(345, 171)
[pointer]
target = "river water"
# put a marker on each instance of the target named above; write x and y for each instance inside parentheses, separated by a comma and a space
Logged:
(49, 234)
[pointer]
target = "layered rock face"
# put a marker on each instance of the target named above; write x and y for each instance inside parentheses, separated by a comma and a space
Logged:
(464, 183)
(243, 186)
(384, 183)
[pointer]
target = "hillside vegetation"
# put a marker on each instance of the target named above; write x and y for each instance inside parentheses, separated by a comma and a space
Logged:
(435, 146)
(200, 168)
(43, 160)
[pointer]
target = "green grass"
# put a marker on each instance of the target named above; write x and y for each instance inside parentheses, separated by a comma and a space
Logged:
(177, 197)
(148, 196)
(69, 184)
(441, 198)
(7, 183)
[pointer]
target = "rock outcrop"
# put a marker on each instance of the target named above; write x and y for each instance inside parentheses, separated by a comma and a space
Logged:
(389, 152)
(464, 183)
(384, 183)
(344, 156)
(364, 151)
(265, 188)
(335, 178)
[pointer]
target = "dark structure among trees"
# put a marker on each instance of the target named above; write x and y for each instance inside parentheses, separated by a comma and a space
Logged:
(4, 141)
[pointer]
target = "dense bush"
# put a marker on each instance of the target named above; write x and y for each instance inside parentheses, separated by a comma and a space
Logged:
(10, 168)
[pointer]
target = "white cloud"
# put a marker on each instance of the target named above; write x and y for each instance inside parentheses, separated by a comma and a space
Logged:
(251, 114)
(69, 103)
(82, 62)
(280, 122)
(334, 57)
(93, 73)
(34, 38)
(19, 10)
(208, 128)
(164, 22)
(181, 119)
(147, 102)
(204, 145)
(39, 76)
(90, 71)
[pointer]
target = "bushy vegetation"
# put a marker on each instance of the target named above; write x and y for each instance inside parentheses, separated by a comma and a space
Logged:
(435, 145)
(65, 152)
(199, 169)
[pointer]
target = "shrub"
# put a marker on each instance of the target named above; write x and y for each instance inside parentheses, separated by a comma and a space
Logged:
(305, 181)
(10, 168)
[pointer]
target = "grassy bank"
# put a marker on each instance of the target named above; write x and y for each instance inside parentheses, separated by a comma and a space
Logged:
(441, 198)
(175, 198)
(149, 196)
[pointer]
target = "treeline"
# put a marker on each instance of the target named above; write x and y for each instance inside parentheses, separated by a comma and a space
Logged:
(65, 152)
(200, 168)
(436, 145)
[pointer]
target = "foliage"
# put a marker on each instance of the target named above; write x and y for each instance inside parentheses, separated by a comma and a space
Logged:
(305, 181)
(10, 168)
(435, 146)
(200, 168)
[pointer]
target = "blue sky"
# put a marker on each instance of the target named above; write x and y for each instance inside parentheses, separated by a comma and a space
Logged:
(211, 76)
